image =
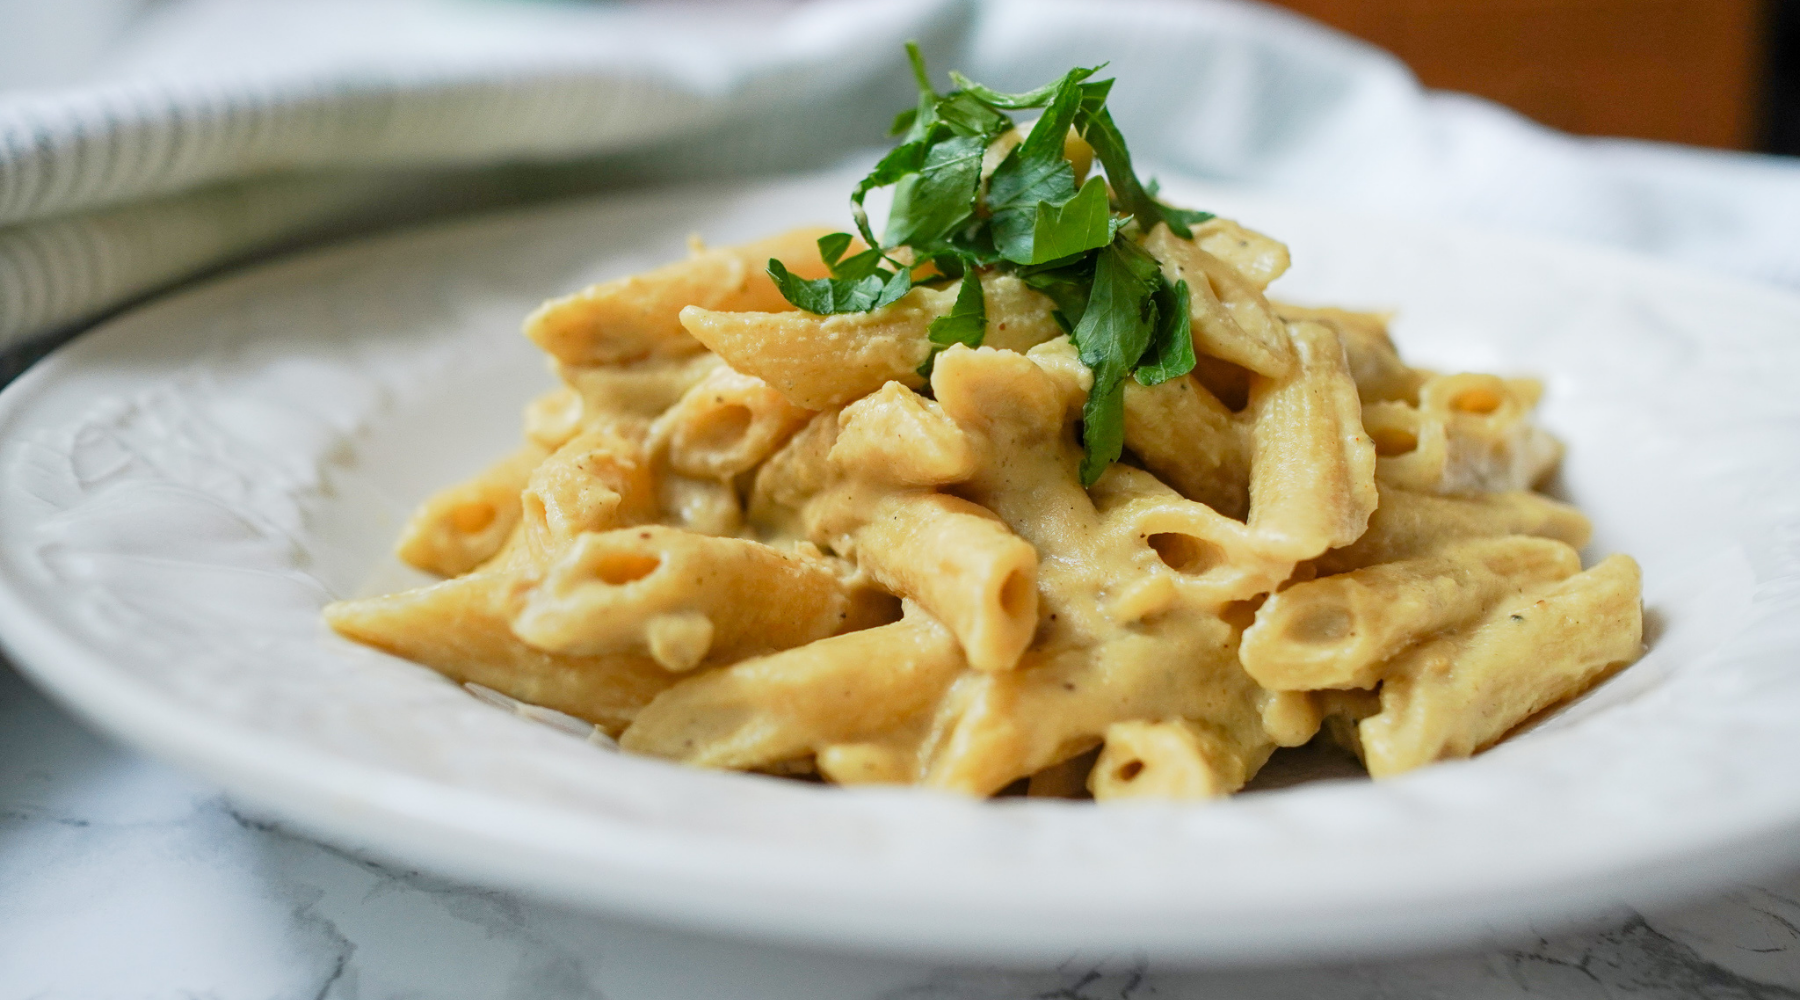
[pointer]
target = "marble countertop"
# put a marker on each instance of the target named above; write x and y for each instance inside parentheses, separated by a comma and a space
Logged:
(122, 877)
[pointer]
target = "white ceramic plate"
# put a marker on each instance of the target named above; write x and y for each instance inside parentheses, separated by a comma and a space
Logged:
(184, 487)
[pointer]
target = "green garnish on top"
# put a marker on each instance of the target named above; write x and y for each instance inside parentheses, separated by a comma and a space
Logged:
(1073, 243)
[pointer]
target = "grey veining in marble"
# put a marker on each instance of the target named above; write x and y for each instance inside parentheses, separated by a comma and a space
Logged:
(121, 877)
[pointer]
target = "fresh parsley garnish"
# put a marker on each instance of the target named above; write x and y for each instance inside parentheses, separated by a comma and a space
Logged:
(966, 323)
(859, 284)
(1035, 218)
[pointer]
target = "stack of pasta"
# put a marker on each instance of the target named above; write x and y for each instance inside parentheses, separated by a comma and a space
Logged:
(744, 536)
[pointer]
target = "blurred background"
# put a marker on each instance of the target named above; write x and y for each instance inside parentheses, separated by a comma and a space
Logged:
(1716, 73)
(1720, 73)
(144, 143)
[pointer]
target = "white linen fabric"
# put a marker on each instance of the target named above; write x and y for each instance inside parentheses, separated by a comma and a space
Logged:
(178, 136)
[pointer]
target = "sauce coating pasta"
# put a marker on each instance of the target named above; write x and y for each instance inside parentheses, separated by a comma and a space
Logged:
(910, 584)
(1061, 503)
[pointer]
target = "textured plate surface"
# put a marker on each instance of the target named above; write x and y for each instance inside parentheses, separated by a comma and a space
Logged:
(185, 487)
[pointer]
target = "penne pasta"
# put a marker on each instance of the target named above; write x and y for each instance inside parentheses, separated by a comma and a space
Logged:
(1231, 319)
(1407, 524)
(961, 564)
(460, 629)
(1459, 693)
(677, 597)
(599, 480)
(634, 318)
(462, 527)
(821, 362)
(1469, 434)
(1190, 440)
(1039, 497)
(824, 694)
(726, 425)
(1339, 631)
(1379, 373)
(1166, 760)
(1312, 466)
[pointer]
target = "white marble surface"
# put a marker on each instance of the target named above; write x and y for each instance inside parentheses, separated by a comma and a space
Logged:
(121, 877)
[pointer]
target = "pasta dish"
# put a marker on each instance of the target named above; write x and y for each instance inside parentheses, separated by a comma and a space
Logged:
(1038, 491)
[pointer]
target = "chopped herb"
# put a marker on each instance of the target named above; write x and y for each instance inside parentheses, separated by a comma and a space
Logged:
(1035, 180)
(859, 284)
(940, 196)
(1113, 334)
(965, 324)
(1075, 243)
(1014, 102)
(1171, 351)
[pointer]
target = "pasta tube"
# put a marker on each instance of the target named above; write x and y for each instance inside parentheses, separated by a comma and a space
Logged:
(1469, 434)
(703, 506)
(833, 691)
(459, 628)
(641, 389)
(637, 317)
(818, 362)
(1290, 718)
(1005, 726)
(727, 424)
(1208, 559)
(678, 597)
(1458, 694)
(598, 480)
(1190, 440)
(1019, 317)
(896, 435)
(1259, 259)
(1179, 760)
(1408, 524)
(1231, 319)
(1337, 631)
(887, 761)
(462, 527)
(553, 418)
(791, 477)
(1379, 373)
(1312, 469)
(961, 564)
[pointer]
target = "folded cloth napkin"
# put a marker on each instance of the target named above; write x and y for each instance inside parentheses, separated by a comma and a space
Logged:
(199, 132)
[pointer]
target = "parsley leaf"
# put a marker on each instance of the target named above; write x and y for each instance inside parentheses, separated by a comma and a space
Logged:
(831, 249)
(940, 196)
(1182, 220)
(925, 112)
(900, 161)
(1109, 148)
(1114, 332)
(1067, 286)
(964, 115)
(966, 324)
(1029, 99)
(1081, 223)
(1171, 351)
(858, 266)
(1034, 173)
(859, 284)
